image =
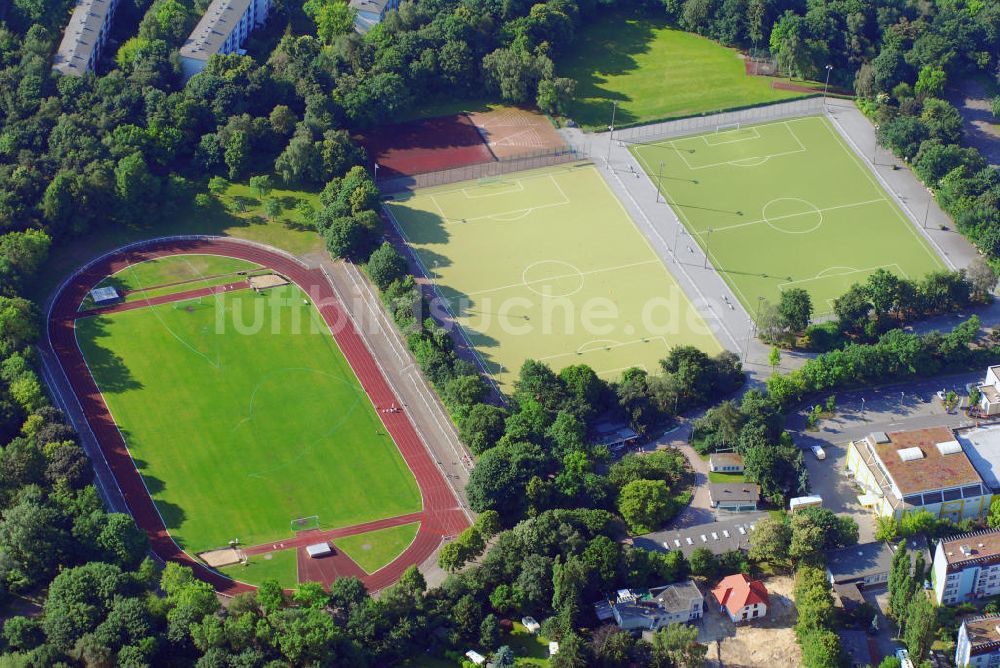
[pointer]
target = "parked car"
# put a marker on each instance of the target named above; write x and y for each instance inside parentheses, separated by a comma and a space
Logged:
(818, 451)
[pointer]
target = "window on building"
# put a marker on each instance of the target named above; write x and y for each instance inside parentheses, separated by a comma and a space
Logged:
(932, 497)
(972, 491)
(952, 494)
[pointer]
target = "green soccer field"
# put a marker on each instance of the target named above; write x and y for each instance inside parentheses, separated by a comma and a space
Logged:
(242, 414)
(547, 265)
(654, 72)
(786, 205)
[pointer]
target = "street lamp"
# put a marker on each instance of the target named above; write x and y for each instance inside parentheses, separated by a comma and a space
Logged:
(677, 232)
(862, 407)
(829, 68)
(611, 137)
(901, 396)
(930, 196)
(708, 241)
(875, 149)
(659, 179)
(756, 315)
(375, 175)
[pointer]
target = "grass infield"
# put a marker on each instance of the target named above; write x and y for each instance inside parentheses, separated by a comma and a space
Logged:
(376, 549)
(241, 414)
(547, 265)
(281, 566)
(786, 204)
(655, 72)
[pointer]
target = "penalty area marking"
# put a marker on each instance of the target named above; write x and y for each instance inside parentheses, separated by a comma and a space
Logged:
(839, 271)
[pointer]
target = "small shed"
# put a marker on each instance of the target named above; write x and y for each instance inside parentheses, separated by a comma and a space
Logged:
(800, 502)
(530, 624)
(553, 648)
(319, 550)
(105, 295)
(475, 657)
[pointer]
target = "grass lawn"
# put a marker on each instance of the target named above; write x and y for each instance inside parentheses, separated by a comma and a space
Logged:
(376, 549)
(655, 72)
(726, 477)
(281, 566)
(171, 274)
(237, 213)
(529, 650)
(241, 414)
(786, 205)
(547, 265)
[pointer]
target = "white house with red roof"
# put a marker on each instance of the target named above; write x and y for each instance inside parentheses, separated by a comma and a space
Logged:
(741, 598)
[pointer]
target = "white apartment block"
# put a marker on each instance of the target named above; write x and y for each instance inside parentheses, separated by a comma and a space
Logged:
(223, 29)
(967, 567)
(85, 37)
(978, 643)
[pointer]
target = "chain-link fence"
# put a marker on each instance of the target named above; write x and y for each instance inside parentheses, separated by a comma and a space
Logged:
(518, 163)
(687, 126)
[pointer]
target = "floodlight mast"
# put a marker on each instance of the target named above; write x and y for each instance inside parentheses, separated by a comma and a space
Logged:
(611, 137)
(826, 86)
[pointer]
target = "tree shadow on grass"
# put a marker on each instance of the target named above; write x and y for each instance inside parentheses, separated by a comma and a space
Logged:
(425, 227)
(608, 48)
(109, 370)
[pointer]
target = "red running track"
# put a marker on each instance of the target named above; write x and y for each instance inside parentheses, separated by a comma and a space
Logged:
(440, 516)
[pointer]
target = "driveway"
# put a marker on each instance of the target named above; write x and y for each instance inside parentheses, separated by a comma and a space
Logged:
(699, 511)
(980, 127)
(900, 407)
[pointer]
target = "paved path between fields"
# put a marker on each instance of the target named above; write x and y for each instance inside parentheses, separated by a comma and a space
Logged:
(443, 515)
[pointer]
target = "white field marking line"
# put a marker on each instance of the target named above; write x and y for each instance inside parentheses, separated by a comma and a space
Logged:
(509, 139)
(794, 136)
(437, 291)
(114, 420)
(680, 214)
(217, 364)
(885, 187)
(604, 348)
(823, 275)
(393, 343)
(378, 363)
(756, 135)
(499, 217)
(561, 276)
(445, 190)
(663, 241)
(792, 215)
(519, 188)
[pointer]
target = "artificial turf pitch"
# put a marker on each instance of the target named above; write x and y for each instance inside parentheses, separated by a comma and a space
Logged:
(241, 414)
(785, 205)
(547, 265)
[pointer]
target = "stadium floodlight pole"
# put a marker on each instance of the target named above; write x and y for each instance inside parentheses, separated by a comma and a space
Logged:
(659, 182)
(927, 211)
(611, 137)
(375, 175)
(829, 68)
(756, 315)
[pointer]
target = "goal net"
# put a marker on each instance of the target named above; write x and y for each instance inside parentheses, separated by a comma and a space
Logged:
(305, 523)
(727, 127)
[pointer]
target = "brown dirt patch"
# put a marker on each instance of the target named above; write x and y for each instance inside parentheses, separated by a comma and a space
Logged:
(427, 145)
(763, 643)
(512, 131)
(224, 557)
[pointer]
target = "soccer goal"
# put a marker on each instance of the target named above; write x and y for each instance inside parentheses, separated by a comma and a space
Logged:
(305, 523)
(727, 127)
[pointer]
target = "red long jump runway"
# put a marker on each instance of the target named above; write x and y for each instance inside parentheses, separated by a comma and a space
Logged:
(440, 516)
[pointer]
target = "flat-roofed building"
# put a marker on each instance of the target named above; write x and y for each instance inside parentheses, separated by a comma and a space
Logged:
(978, 642)
(967, 567)
(735, 497)
(223, 29)
(370, 12)
(725, 462)
(718, 537)
(85, 37)
(923, 469)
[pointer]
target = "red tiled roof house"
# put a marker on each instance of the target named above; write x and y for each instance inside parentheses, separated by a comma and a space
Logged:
(741, 598)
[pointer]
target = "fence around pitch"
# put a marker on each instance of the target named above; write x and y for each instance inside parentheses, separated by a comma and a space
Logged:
(687, 126)
(518, 163)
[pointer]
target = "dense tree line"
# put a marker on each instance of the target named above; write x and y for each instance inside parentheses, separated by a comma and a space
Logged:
(895, 355)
